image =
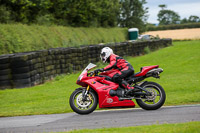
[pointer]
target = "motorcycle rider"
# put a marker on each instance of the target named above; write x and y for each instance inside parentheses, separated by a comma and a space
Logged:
(118, 67)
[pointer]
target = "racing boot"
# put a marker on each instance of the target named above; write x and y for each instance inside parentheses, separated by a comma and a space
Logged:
(129, 88)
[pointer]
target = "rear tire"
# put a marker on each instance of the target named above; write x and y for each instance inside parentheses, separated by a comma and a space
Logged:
(156, 100)
(83, 107)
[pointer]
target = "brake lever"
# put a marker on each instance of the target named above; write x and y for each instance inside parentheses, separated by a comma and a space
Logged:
(91, 73)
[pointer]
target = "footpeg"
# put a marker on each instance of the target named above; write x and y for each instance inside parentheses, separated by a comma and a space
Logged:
(128, 92)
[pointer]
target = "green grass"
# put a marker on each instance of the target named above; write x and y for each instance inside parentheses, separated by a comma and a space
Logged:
(189, 127)
(181, 76)
(22, 38)
(180, 79)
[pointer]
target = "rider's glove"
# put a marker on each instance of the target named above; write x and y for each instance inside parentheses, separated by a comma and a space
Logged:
(98, 70)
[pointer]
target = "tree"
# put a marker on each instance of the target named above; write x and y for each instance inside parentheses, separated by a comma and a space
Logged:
(163, 6)
(110, 9)
(86, 12)
(5, 15)
(184, 21)
(133, 14)
(166, 17)
(62, 12)
(193, 19)
(26, 11)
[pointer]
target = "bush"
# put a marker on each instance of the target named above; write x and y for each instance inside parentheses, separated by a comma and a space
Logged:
(173, 26)
(5, 15)
(47, 19)
(147, 50)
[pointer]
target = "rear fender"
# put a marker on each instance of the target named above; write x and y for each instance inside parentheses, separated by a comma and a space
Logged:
(145, 70)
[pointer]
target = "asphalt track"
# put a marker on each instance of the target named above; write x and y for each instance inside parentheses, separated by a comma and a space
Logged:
(99, 119)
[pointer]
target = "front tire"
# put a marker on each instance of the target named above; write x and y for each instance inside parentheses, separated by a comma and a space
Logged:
(83, 107)
(156, 100)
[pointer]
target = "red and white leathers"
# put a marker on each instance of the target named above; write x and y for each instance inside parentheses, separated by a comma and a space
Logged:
(118, 69)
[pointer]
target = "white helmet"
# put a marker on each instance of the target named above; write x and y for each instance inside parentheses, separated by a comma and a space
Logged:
(105, 53)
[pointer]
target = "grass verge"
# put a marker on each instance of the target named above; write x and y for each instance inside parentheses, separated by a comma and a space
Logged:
(22, 38)
(189, 127)
(180, 80)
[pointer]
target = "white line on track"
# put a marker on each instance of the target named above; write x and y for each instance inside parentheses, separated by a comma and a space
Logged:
(176, 106)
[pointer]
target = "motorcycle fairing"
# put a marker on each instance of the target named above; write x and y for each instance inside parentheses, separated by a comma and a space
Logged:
(103, 87)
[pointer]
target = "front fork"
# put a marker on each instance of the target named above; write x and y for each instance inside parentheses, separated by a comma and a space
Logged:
(85, 92)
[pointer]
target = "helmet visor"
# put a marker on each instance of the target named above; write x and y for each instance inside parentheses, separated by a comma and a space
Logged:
(103, 54)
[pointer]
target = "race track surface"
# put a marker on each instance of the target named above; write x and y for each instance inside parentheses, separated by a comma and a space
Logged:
(99, 119)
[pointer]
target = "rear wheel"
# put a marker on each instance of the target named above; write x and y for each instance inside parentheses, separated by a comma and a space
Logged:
(83, 107)
(157, 98)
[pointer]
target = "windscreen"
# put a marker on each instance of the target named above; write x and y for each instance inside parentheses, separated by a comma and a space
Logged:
(89, 67)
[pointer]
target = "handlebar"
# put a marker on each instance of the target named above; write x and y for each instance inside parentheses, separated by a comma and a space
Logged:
(93, 73)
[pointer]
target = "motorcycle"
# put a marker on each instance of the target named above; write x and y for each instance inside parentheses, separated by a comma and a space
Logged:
(100, 89)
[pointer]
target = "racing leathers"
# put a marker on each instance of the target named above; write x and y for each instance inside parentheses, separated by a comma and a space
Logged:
(118, 69)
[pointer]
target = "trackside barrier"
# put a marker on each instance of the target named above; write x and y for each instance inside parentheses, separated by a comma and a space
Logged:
(28, 69)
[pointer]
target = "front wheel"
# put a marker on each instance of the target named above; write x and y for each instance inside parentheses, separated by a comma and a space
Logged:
(155, 100)
(81, 106)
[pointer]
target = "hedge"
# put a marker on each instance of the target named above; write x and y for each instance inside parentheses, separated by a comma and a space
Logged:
(173, 26)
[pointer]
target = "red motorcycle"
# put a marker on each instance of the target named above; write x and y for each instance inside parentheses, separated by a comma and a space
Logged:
(99, 89)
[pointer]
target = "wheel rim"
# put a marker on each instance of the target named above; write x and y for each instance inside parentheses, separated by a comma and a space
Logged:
(156, 95)
(83, 105)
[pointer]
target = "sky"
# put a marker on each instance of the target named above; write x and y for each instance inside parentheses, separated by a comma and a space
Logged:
(184, 8)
